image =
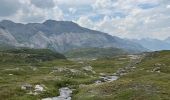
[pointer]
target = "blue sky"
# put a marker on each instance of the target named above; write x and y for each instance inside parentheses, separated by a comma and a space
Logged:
(123, 18)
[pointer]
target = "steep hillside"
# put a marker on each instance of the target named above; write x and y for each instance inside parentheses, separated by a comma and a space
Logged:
(6, 37)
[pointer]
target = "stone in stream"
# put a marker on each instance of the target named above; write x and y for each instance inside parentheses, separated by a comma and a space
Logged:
(98, 82)
(65, 94)
(107, 79)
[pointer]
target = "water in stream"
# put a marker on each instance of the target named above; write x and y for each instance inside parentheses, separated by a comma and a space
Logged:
(65, 94)
(106, 79)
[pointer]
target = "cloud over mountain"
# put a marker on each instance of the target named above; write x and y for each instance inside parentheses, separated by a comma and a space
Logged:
(124, 18)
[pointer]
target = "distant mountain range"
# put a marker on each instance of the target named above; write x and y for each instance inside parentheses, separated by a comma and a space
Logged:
(167, 40)
(60, 36)
(154, 44)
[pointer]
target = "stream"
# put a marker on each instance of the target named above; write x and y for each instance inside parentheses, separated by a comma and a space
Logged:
(65, 94)
(106, 79)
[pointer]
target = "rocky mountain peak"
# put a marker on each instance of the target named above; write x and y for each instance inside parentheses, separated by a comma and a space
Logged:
(60, 23)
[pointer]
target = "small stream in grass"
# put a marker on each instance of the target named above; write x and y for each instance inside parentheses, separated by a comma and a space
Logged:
(106, 79)
(65, 92)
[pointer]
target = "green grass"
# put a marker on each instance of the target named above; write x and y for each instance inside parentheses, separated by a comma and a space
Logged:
(17, 68)
(109, 65)
(95, 52)
(140, 84)
(143, 83)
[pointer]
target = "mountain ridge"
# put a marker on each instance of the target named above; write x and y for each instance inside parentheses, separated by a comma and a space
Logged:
(64, 36)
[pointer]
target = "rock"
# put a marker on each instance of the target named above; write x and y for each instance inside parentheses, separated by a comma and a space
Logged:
(121, 71)
(47, 99)
(156, 69)
(26, 87)
(109, 78)
(157, 64)
(88, 68)
(106, 79)
(98, 82)
(133, 67)
(102, 74)
(39, 88)
(61, 69)
(94, 59)
(133, 57)
(74, 70)
(80, 62)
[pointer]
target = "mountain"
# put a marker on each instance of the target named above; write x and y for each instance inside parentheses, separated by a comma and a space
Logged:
(61, 36)
(6, 37)
(154, 44)
(94, 52)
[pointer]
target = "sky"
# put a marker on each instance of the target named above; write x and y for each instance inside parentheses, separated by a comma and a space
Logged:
(123, 18)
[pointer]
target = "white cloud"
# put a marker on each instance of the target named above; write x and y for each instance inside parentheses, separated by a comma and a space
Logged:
(168, 6)
(72, 10)
(9, 7)
(43, 4)
(85, 22)
(31, 12)
(124, 18)
(103, 4)
(138, 23)
(75, 2)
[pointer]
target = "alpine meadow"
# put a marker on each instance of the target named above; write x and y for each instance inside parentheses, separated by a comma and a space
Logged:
(84, 50)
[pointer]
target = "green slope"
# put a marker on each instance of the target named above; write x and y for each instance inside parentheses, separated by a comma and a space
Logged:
(29, 55)
(95, 52)
(5, 46)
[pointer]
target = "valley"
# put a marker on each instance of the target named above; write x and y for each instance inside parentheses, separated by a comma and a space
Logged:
(35, 74)
(84, 50)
